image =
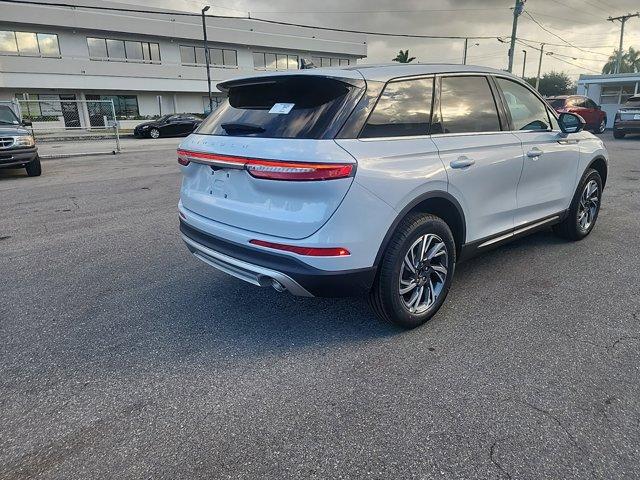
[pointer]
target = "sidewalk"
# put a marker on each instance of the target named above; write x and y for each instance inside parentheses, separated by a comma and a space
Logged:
(100, 146)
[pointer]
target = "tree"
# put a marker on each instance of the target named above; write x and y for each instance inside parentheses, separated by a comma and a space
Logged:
(403, 57)
(554, 83)
(630, 62)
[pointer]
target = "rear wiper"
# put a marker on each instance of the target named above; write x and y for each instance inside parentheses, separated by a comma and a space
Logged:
(242, 127)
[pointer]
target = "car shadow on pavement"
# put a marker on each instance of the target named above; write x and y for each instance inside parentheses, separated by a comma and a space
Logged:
(216, 310)
(205, 313)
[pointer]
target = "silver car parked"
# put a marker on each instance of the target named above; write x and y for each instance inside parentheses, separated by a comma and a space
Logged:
(378, 180)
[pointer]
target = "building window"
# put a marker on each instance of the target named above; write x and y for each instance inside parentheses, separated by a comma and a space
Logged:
(123, 50)
(330, 62)
(126, 106)
(616, 94)
(218, 57)
(29, 44)
(274, 61)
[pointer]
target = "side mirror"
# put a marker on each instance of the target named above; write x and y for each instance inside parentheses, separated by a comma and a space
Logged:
(571, 123)
(27, 123)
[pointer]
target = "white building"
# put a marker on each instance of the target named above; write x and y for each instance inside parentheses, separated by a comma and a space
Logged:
(147, 63)
(609, 91)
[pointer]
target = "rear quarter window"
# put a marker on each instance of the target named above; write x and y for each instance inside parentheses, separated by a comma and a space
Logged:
(306, 107)
(404, 109)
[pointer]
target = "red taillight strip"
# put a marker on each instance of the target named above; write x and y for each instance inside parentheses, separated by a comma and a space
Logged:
(306, 251)
(271, 169)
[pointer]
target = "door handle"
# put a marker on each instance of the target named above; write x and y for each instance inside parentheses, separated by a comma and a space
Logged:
(534, 153)
(462, 162)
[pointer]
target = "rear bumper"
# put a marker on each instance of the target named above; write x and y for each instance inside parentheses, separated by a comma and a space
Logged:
(627, 126)
(14, 158)
(261, 268)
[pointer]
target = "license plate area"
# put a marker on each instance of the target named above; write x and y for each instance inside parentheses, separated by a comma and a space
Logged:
(218, 183)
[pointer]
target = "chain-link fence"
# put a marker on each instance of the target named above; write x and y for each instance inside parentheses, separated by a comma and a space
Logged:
(63, 127)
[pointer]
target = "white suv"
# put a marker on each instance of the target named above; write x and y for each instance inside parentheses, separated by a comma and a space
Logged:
(379, 179)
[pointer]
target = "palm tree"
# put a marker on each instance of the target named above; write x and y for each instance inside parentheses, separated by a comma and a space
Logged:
(630, 62)
(403, 57)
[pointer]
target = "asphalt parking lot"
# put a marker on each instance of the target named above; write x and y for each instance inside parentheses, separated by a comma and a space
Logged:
(124, 356)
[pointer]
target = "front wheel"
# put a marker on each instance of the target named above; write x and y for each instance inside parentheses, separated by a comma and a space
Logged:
(154, 133)
(415, 273)
(34, 169)
(584, 208)
(618, 135)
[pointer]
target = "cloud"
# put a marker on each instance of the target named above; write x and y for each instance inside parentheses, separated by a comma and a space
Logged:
(580, 22)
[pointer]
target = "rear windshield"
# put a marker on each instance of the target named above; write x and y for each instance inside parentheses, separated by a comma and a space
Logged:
(556, 102)
(285, 107)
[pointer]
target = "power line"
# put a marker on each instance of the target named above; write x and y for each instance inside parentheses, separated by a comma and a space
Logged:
(254, 19)
(559, 37)
(558, 55)
(420, 10)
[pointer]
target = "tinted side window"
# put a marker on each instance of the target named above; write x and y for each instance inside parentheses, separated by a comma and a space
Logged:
(527, 111)
(467, 105)
(591, 103)
(404, 109)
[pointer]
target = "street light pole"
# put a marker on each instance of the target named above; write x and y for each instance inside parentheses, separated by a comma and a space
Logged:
(206, 55)
(524, 63)
(539, 66)
(466, 47)
(464, 57)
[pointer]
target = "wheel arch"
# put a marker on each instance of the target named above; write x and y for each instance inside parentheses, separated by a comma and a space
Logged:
(439, 203)
(599, 164)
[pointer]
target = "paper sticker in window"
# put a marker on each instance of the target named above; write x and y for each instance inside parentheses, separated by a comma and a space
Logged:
(282, 108)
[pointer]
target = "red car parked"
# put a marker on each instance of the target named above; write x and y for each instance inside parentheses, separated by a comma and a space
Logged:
(585, 107)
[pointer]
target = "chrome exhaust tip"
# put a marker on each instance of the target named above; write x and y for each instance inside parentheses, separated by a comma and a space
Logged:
(278, 286)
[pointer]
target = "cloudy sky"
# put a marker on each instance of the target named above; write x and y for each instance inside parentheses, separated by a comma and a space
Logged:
(581, 23)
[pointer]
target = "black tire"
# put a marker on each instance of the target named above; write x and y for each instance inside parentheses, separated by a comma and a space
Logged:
(618, 135)
(385, 297)
(34, 169)
(602, 127)
(570, 228)
(154, 133)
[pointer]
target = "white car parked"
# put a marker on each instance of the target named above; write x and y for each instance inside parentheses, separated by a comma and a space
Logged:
(378, 180)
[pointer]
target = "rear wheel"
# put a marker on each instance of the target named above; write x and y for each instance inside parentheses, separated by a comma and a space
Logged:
(618, 134)
(34, 169)
(416, 272)
(154, 133)
(602, 127)
(584, 208)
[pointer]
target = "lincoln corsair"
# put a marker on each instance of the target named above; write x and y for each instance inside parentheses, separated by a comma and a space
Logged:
(379, 180)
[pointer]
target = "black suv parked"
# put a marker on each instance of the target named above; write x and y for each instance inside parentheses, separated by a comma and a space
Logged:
(17, 146)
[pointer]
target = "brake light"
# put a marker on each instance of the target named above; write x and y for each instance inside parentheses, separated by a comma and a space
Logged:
(182, 158)
(271, 169)
(306, 251)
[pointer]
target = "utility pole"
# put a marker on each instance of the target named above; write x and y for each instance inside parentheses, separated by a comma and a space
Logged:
(622, 19)
(517, 11)
(206, 55)
(524, 63)
(539, 66)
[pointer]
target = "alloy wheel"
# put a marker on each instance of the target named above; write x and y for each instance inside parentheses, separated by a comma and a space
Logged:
(589, 204)
(603, 126)
(155, 133)
(423, 273)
